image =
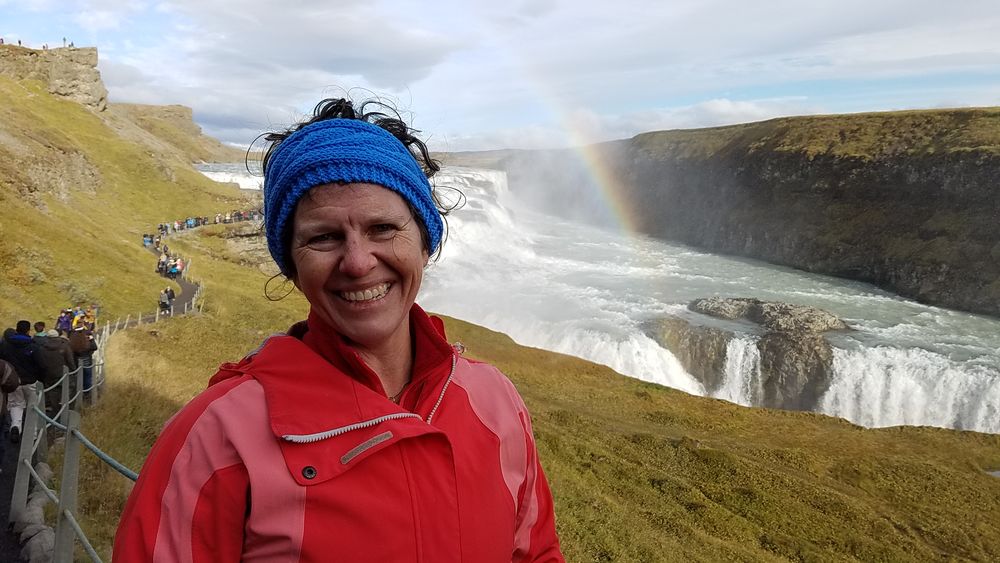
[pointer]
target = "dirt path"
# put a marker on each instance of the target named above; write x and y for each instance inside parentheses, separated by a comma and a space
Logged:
(10, 547)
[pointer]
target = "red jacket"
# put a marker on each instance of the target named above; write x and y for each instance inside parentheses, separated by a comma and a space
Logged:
(295, 454)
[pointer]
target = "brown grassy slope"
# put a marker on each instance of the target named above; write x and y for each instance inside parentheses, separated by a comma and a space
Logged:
(76, 198)
(175, 125)
(639, 472)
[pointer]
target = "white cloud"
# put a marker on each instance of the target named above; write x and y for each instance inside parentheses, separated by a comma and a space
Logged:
(540, 72)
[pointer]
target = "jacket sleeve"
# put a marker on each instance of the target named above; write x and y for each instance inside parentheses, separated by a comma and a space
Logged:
(535, 529)
(190, 502)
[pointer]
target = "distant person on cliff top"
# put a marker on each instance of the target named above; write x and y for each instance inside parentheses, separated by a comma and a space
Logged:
(361, 435)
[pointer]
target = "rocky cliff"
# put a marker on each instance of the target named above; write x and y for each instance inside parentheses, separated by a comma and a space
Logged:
(909, 201)
(66, 72)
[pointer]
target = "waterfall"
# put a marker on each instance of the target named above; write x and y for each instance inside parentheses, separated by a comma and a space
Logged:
(741, 383)
(885, 386)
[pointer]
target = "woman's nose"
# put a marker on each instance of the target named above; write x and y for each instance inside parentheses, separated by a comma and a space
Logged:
(359, 258)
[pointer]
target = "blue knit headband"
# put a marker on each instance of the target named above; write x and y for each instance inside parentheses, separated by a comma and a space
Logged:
(340, 150)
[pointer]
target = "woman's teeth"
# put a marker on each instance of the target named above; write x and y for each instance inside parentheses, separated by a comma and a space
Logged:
(370, 294)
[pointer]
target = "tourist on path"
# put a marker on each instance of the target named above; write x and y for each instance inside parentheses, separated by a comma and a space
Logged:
(361, 435)
(83, 345)
(64, 324)
(54, 354)
(21, 351)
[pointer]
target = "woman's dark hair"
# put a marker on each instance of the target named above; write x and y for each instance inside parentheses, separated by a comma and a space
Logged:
(383, 115)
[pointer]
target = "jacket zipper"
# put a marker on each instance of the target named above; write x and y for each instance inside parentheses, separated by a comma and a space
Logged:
(310, 438)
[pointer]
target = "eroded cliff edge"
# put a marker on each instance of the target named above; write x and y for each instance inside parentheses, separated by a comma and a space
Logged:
(909, 201)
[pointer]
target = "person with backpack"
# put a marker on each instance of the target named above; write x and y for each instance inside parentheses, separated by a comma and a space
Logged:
(54, 354)
(22, 352)
(82, 343)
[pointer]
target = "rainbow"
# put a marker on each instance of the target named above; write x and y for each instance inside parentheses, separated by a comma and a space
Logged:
(597, 166)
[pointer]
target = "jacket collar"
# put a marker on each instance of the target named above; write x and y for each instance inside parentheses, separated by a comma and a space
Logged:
(318, 373)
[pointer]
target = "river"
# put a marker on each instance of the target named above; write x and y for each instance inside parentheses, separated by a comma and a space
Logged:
(592, 292)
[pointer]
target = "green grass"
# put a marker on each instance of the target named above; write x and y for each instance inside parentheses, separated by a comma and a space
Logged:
(864, 136)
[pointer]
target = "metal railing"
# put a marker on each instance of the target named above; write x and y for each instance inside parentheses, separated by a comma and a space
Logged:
(34, 444)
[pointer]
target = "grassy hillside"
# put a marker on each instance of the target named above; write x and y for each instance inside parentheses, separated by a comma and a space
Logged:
(861, 135)
(77, 191)
(639, 472)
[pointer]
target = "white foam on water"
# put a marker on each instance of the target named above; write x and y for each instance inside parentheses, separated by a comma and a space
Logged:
(885, 386)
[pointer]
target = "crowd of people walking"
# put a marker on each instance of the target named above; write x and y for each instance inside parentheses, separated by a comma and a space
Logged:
(27, 358)
(172, 266)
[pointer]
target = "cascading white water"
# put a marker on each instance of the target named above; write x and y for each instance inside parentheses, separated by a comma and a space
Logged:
(884, 386)
(593, 293)
(742, 383)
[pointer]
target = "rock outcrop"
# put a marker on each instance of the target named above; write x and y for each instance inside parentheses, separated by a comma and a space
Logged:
(796, 361)
(67, 72)
(773, 316)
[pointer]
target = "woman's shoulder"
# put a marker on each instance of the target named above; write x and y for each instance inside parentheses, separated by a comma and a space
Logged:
(484, 382)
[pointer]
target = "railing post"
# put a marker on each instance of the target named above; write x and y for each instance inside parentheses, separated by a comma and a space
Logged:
(42, 451)
(65, 535)
(171, 310)
(157, 315)
(138, 320)
(185, 308)
(65, 396)
(19, 498)
(78, 396)
(127, 319)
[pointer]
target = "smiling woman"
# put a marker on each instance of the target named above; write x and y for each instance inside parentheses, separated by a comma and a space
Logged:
(361, 435)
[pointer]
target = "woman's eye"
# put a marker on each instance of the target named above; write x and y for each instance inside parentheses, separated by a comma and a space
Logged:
(383, 229)
(323, 239)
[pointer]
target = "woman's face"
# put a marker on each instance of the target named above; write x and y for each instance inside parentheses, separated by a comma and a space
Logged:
(359, 260)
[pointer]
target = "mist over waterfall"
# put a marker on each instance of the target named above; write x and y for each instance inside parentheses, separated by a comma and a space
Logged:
(593, 292)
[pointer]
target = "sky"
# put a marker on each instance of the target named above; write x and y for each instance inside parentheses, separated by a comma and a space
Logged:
(474, 75)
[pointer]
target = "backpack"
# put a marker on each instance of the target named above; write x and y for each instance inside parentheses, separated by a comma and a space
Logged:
(9, 381)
